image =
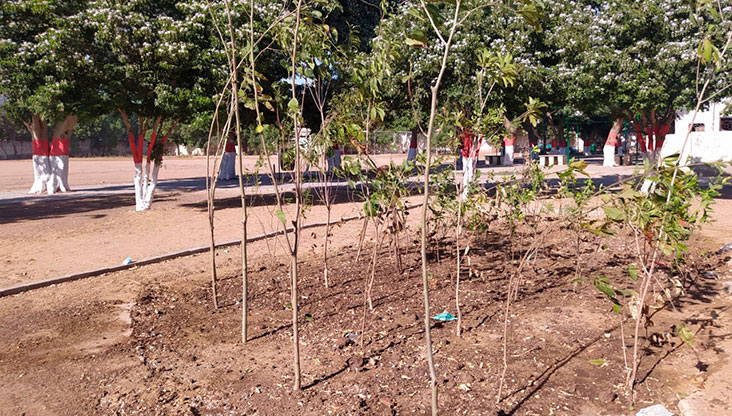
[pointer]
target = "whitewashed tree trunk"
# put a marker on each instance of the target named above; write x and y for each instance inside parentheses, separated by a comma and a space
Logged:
(608, 151)
(41, 174)
(508, 156)
(468, 173)
(59, 154)
(608, 155)
(59, 173)
(151, 183)
(139, 181)
(41, 165)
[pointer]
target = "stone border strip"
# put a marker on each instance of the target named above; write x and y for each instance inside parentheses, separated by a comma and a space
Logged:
(24, 287)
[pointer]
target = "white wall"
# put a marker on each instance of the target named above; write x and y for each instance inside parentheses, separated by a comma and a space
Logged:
(709, 146)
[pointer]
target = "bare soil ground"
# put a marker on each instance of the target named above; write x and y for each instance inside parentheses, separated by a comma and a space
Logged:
(148, 341)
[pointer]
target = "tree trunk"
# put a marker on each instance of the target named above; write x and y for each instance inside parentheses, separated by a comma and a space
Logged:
(297, 384)
(139, 187)
(608, 151)
(41, 163)
(662, 131)
(370, 281)
(556, 130)
(142, 191)
(512, 128)
(145, 181)
(151, 185)
(59, 154)
(325, 245)
(458, 329)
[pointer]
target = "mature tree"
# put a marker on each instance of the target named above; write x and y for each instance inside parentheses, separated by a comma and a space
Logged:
(45, 76)
(157, 64)
(494, 30)
(633, 60)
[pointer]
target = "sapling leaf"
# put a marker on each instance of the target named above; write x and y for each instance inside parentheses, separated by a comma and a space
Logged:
(633, 271)
(627, 292)
(599, 362)
(706, 50)
(603, 285)
(614, 213)
(416, 38)
(685, 334)
(293, 106)
(435, 14)
(416, 14)
(281, 216)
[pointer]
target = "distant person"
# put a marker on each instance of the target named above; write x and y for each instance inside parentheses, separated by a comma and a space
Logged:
(412, 152)
(228, 162)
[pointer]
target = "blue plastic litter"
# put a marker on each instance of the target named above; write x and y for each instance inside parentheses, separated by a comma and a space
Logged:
(444, 317)
(128, 260)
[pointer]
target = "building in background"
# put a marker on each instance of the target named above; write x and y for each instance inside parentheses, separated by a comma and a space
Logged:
(711, 135)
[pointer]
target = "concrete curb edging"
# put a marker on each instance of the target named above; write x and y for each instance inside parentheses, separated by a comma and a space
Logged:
(24, 287)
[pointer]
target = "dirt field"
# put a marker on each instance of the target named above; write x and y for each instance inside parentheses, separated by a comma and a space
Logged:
(93, 172)
(148, 341)
(96, 225)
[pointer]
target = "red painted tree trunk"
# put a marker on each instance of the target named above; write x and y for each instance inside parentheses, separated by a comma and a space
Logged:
(639, 137)
(41, 164)
(59, 153)
(611, 143)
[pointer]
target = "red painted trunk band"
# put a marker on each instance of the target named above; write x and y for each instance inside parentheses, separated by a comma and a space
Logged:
(133, 147)
(642, 143)
(40, 147)
(230, 147)
(152, 144)
(663, 130)
(140, 147)
(60, 147)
